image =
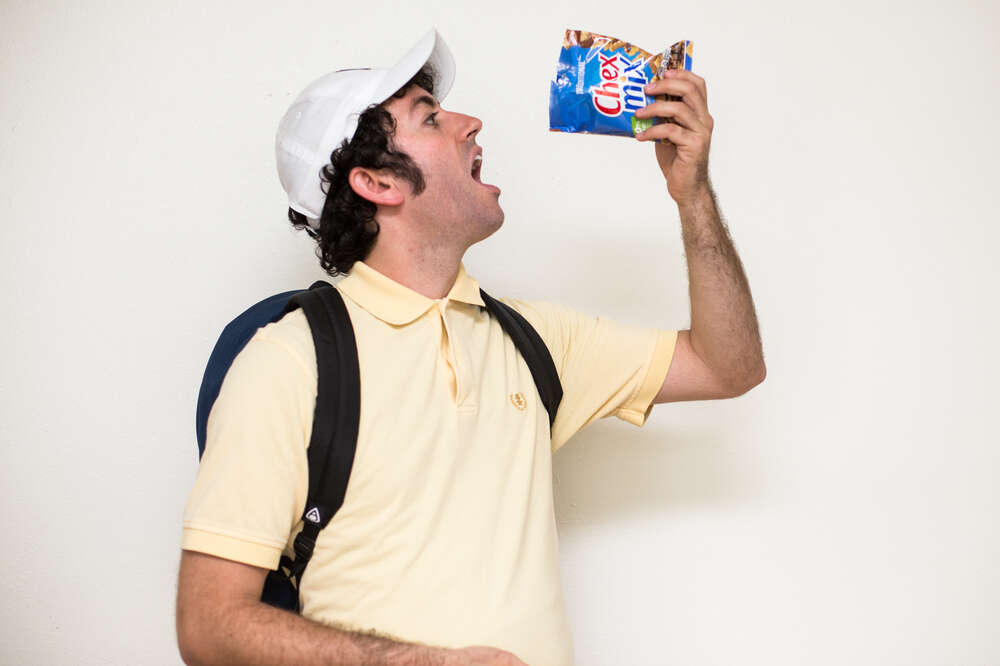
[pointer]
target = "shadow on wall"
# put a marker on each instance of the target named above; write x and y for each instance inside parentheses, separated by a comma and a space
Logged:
(609, 471)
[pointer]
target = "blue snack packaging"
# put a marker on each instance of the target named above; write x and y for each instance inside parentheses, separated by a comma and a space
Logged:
(599, 83)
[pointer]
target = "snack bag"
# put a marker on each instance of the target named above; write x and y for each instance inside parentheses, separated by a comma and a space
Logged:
(599, 82)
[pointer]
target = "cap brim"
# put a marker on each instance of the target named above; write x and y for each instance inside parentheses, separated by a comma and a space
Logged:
(430, 49)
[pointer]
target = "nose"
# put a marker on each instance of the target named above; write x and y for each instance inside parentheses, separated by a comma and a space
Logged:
(470, 127)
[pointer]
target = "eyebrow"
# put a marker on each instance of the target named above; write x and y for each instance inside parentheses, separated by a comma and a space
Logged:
(423, 99)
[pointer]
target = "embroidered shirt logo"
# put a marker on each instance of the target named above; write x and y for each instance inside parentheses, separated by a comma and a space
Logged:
(518, 400)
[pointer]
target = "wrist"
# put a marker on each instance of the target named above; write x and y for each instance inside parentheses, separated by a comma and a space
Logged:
(699, 199)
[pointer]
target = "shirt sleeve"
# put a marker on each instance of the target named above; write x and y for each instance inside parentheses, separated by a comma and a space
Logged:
(606, 368)
(253, 478)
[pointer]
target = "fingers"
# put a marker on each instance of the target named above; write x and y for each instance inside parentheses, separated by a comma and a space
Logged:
(689, 87)
(679, 111)
(692, 123)
(680, 81)
(675, 134)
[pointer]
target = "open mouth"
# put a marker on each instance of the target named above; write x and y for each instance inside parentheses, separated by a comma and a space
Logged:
(477, 167)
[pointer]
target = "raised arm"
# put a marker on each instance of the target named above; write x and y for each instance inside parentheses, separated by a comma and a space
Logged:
(721, 355)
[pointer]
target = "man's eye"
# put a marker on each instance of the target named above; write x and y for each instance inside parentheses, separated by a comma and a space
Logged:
(431, 119)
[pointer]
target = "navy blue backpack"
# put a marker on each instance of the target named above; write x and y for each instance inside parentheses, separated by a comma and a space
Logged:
(338, 404)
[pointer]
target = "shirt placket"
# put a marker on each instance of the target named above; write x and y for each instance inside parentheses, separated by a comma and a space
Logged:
(448, 351)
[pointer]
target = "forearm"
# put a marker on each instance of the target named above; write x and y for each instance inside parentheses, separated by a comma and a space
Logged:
(724, 330)
(256, 633)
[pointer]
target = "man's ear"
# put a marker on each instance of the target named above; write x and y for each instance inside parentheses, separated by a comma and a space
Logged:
(376, 185)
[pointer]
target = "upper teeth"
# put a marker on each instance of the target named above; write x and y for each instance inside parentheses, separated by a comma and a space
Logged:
(476, 161)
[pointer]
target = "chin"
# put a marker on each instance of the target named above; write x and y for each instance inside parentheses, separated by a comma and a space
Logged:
(491, 225)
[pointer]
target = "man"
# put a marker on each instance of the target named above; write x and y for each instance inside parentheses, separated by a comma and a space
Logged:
(445, 549)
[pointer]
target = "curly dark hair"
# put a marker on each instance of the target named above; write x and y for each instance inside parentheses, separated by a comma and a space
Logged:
(347, 225)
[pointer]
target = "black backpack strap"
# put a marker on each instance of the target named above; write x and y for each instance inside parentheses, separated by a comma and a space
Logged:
(334, 433)
(534, 351)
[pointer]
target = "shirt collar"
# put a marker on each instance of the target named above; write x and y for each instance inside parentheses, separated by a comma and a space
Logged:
(395, 303)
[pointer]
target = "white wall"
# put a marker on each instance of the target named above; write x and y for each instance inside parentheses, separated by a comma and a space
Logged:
(844, 512)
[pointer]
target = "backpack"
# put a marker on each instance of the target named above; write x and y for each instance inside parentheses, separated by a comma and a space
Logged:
(333, 440)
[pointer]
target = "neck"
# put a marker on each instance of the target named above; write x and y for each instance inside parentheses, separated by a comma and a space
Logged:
(429, 271)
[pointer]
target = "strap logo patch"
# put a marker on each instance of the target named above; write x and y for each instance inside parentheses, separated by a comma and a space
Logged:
(517, 399)
(313, 515)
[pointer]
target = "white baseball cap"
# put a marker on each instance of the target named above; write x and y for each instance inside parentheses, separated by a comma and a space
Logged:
(327, 111)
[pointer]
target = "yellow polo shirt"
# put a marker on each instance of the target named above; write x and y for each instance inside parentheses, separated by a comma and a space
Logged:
(447, 535)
